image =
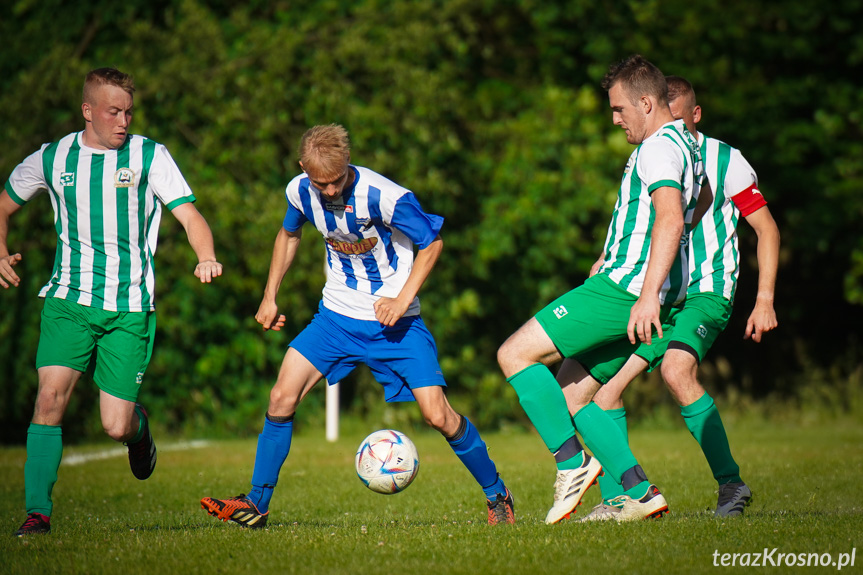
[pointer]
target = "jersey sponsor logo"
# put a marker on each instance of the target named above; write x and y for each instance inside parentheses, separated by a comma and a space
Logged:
(364, 223)
(350, 244)
(701, 331)
(67, 179)
(560, 311)
(340, 207)
(124, 178)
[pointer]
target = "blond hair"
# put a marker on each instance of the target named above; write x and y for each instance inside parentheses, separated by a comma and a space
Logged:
(325, 147)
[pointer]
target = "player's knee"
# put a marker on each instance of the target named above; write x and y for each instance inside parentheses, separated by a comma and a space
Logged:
(47, 400)
(682, 383)
(508, 356)
(502, 353)
(436, 420)
(672, 374)
(282, 402)
(118, 430)
(50, 404)
(437, 416)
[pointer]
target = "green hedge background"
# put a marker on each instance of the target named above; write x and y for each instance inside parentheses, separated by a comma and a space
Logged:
(490, 111)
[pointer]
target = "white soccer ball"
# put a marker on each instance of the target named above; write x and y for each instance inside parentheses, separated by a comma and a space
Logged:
(387, 461)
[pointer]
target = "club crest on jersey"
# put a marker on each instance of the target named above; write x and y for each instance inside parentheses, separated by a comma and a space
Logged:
(67, 179)
(124, 178)
(350, 244)
(628, 166)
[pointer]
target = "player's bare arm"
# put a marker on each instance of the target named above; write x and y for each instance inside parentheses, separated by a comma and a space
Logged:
(389, 310)
(201, 240)
(664, 245)
(7, 261)
(284, 251)
(763, 316)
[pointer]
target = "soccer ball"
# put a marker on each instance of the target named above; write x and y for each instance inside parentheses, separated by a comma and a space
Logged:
(387, 461)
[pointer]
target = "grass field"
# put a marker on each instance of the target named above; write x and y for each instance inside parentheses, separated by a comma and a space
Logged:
(806, 481)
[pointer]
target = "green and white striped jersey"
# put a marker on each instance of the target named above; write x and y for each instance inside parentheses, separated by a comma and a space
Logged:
(107, 208)
(714, 256)
(669, 157)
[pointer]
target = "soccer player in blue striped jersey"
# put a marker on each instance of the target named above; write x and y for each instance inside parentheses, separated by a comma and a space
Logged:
(107, 188)
(369, 313)
(596, 326)
(714, 267)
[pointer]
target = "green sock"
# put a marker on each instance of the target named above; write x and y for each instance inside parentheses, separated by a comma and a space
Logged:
(611, 488)
(573, 462)
(141, 420)
(542, 399)
(604, 438)
(44, 451)
(705, 425)
(638, 491)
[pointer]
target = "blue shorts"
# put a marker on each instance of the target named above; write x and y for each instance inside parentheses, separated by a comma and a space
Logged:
(401, 357)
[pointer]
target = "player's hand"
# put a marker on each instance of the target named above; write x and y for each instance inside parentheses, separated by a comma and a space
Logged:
(595, 267)
(643, 316)
(389, 310)
(761, 320)
(269, 317)
(207, 270)
(7, 274)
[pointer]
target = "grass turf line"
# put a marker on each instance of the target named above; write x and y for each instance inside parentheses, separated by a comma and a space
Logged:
(808, 498)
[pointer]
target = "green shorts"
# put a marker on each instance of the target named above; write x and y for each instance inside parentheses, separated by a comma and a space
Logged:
(122, 342)
(589, 325)
(697, 324)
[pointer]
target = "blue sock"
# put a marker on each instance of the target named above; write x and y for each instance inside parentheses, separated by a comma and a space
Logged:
(274, 443)
(471, 450)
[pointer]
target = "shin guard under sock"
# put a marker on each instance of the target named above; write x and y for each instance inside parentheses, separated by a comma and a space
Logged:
(705, 425)
(44, 452)
(611, 488)
(274, 444)
(471, 450)
(544, 403)
(604, 439)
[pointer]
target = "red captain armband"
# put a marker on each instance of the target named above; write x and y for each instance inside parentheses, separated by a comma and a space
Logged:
(749, 200)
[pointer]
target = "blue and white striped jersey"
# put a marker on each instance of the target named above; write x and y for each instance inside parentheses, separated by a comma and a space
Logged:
(369, 233)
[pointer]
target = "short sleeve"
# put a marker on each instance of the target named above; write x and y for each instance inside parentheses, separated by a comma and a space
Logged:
(294, 219)
(295, 216)
(410, 219)
(661, 163)
(27, 179)
(741, 185)
(740, 174)
(166, 180)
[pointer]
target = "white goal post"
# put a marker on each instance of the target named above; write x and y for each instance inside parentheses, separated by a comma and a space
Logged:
(332, 408)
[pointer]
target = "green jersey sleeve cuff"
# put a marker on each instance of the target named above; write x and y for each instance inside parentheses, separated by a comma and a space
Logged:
(664, 183)
(15, 197)
(180, 202)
